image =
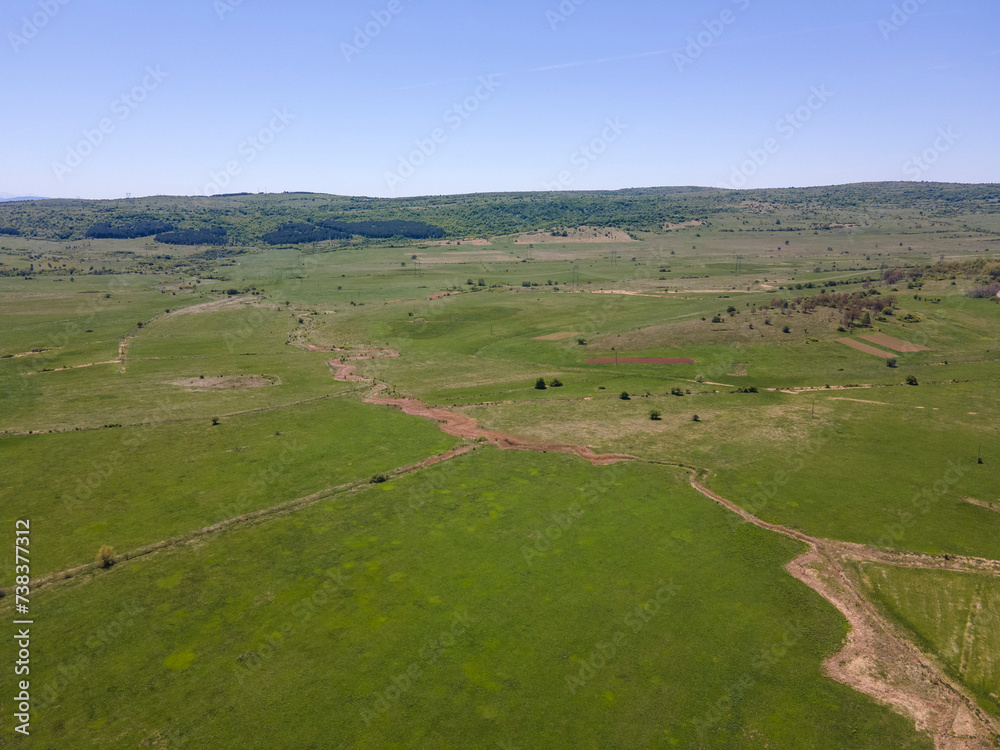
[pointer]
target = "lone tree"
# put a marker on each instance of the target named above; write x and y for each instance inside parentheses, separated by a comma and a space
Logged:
(624, 396)
(540, 384)
(890, 363)
(911, 380)
(555, 383)
(655, 415)
(106, 556)
(695, 418)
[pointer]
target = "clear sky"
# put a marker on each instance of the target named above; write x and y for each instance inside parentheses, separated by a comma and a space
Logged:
(399, 97)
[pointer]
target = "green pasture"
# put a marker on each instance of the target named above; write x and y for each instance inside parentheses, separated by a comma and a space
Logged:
(411, 615)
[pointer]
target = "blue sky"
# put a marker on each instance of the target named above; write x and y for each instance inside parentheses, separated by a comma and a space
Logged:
(399, 97)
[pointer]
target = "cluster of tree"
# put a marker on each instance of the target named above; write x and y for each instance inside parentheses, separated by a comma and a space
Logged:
(210, 236)
(104, 230)
(300, 232)
(985, 269)
(216, 254)
(295, 233)
(857, 307)
(11, 231)
(982, 291)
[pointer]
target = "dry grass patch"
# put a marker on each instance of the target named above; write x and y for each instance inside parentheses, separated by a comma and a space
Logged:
(226, 381)
(866, 349)
(897, 345)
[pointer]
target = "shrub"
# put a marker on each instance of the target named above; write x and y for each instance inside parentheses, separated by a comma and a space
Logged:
(378, 479)
(676, 392)
(890, 363)
(695, 418)
(540, 384)
(106, 556)
(215, 421)
(786, 329)
(624, 396)
(555, 383)
(911, 380)
(581, 342)
(655, 415)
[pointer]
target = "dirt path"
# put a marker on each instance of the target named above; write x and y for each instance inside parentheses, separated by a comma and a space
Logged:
(249, 518)
(452, 423)
(876, 659)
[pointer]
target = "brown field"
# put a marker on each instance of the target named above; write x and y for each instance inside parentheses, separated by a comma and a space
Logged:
(897, 345)
(866, 349)
(557, 336)
(640, 361)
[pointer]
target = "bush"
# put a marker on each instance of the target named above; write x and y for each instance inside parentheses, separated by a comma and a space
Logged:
(378, 479)
(695, 418)
(911, 380)
(555, 383)
(624, 396)
(106, 556)
(540, 384)
(890, 363)
(786, 329)
(676, 392)
(655, 415)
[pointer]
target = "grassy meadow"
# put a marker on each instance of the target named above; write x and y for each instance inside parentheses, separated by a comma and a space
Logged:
(508, 599)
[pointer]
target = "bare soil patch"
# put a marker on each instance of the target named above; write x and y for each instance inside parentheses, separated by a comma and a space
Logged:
(865, 348)
(227, 381)
(580, 234)
(897, 345)
(857, 400)
(557, 336)
(640, 361)
(479, 241)
(214, 306)
(983, 504)
(670, 227)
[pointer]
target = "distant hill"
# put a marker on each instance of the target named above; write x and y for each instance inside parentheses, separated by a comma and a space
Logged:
(307, 219)
(5, 198)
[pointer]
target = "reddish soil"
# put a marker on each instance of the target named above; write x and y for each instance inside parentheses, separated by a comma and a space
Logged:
(877, 659)
(459, 425)
(897, 345)
(640, 361)
(865, 348)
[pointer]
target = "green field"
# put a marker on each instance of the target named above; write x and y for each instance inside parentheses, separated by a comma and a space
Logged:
(955, 615)
(515, 599)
